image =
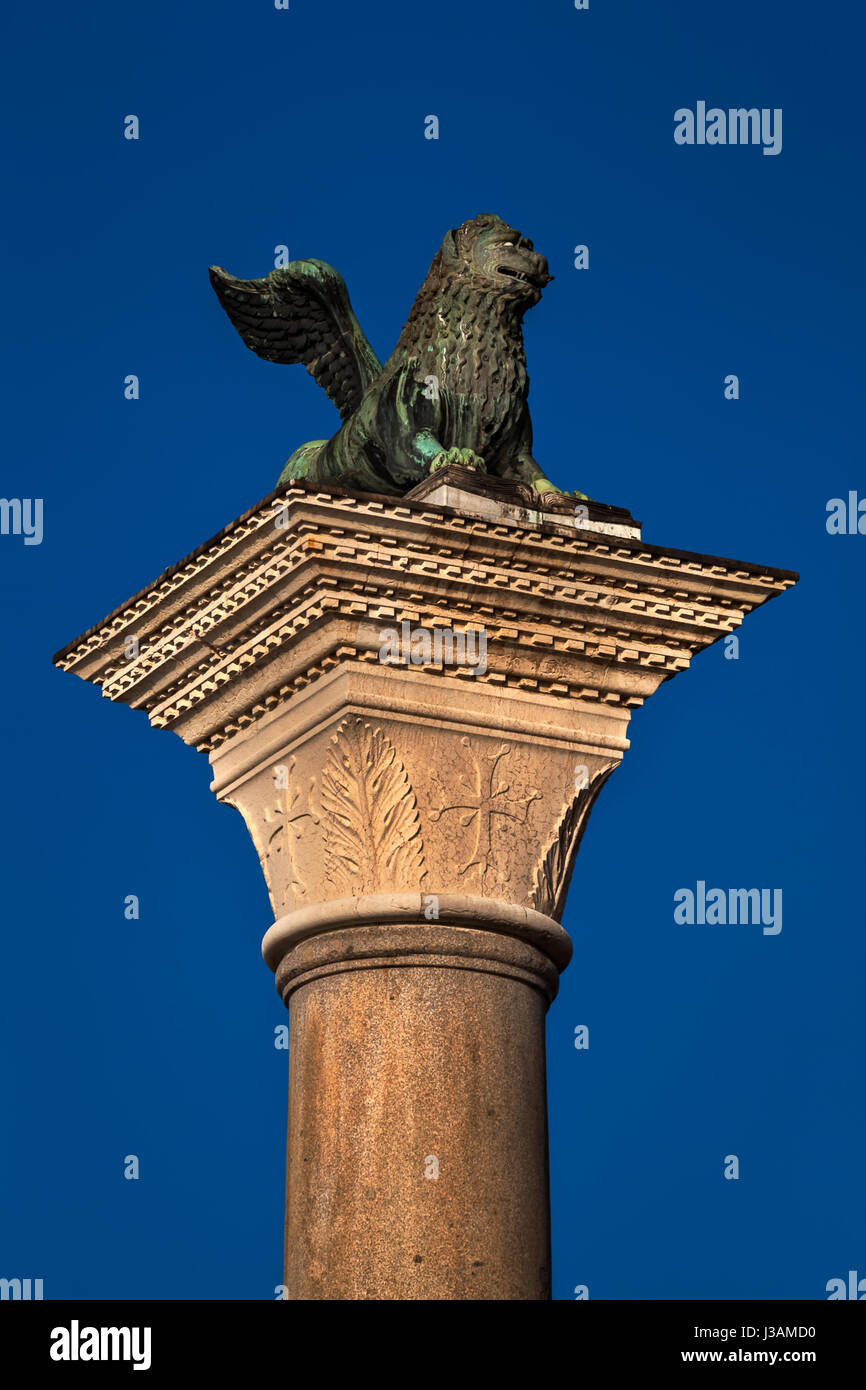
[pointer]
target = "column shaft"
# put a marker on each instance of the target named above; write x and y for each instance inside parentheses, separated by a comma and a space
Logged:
(417, 1138)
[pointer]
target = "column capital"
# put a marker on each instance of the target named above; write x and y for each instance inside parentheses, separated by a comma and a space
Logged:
(285, 648)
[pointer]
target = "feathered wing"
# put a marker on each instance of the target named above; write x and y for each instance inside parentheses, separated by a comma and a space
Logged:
(302, 313)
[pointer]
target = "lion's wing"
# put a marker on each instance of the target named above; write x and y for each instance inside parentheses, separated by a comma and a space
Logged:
(302, 313)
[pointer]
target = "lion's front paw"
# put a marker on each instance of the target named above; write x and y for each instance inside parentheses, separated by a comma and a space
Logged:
(464, 458)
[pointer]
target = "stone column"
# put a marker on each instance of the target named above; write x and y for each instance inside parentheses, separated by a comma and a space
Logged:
(417, 1146)
(417, 804)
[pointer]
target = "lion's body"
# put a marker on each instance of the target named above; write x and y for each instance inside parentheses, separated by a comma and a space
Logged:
(455, 388)
(457, 377)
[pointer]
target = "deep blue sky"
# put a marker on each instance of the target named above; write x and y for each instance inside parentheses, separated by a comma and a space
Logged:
(305, 127)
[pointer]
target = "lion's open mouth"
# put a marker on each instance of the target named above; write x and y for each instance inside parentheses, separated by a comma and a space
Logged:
(537, 280)
(518, 274)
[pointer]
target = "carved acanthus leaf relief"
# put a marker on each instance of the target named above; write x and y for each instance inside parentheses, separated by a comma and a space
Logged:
(554, 871)
(288, 817)
(372, 829)
(483, 796)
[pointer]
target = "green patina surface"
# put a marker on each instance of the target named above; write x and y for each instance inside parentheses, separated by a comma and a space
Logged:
(454, 390)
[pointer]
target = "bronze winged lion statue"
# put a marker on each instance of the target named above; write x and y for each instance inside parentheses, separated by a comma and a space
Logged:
(454, 390)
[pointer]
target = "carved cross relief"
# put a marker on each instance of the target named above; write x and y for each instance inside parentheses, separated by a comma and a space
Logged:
(484, 795)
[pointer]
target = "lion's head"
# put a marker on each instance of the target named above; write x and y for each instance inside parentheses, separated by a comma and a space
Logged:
(488, 254)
